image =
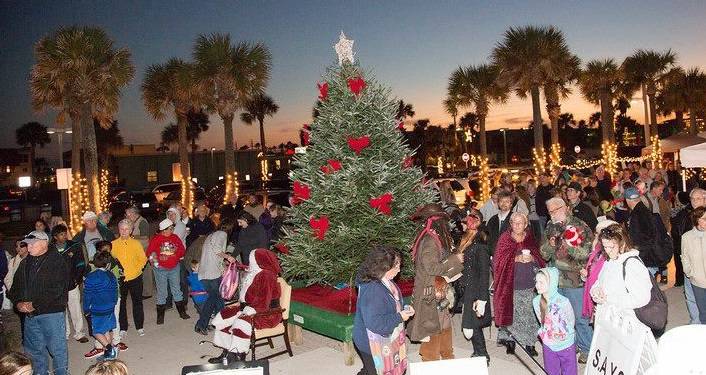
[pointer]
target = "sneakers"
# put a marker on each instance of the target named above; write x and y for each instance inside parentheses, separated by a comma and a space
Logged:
(141, 332)
(109, 354)
(94, 352)
(121, 346)
(123, 334)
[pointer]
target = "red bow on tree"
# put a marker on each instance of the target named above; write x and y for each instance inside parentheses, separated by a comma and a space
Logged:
(333, 166)
(358, 144)
(323, 90)
(408, 162)
(282, 248)
(301, 192)
(382, 203)
(305, 134)
(289, 152)
(400, 125)
(356, 85)
(319, 226)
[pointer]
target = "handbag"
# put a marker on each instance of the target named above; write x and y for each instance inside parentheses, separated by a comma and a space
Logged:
(389, 353)
(654, 313)
(229, 282)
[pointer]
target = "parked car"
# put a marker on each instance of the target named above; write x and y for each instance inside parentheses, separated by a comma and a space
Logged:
(161, 191)
(146, 202)
(8, 203)
(175, 197)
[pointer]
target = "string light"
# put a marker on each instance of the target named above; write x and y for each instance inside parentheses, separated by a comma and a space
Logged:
(484, 179)
(231, 187)
(609, 151)
(103, 191)
(555, 156)
(187, 196)
(539, 161)
(656, 155)
(78, 202)
(264, 168)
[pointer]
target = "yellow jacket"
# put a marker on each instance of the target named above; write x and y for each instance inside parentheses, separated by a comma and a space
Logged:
(131, 255)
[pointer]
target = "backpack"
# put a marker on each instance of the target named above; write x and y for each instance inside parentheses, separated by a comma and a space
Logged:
(654, 313)
(229, 283)
(664, 246)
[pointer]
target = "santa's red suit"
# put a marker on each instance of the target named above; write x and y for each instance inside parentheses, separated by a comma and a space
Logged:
(259, 292)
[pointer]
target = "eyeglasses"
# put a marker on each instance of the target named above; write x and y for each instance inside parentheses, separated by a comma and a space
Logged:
(556, 209)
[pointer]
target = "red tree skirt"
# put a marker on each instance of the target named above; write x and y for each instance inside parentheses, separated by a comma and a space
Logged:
(329, 298)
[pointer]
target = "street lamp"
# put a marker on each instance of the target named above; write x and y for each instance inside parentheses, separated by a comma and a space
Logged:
(212, 168)
(60, 135)
(504, 131)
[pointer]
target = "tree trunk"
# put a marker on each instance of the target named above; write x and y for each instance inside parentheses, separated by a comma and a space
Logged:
(192, 158)
(262, 135)
(553, 112)
(653, 114)
(228, 133)
(646, 125)
(90, 157)
(693, 126)
(679, 119)
(607, 131)
(32, 151)
(537, 119)
(75, 145)
(184, 153)
(482, 136)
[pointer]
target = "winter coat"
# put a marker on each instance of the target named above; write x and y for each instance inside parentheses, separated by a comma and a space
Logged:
(474, 282)
(629, 292)
(42, 280)
(594, 265)
(495, 229)
(376, 310)
(250, 238)
(541, 197)
(557, 325)
(76, 260)
(100, 293)
(104, 231)
(586, 214)
(198, 227)
(568, 259)
(643, 234)
(693, 256)
(430, 260)
(504, 274)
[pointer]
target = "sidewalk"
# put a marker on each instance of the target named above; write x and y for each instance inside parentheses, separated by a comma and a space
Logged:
(165, 349)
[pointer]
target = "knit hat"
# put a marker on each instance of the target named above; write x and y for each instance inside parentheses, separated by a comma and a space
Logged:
(164, 224)
(631, 193)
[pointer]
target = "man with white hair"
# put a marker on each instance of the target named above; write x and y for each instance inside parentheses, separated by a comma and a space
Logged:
(174, 214)
(681, 224)
(92, 233)
(566, 246)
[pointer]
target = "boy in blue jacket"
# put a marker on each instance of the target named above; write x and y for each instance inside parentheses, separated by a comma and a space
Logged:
(99, 300)
(556, 319)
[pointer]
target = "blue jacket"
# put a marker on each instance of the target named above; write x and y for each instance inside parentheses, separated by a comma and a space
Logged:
(557, 328)
(196, 288)
(375, 311)
(100, 292)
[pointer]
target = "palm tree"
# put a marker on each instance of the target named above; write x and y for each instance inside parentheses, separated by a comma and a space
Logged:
(80, 73)
(683, 92)
(600, 84)
(257, 108)
(529, 57)
(451, 107)
(107, 140)
(404, 110)
(32, 134)
(198, 123)
(231, 74)
(556, 88)
(478, 86)
(173, 87)
(645, 69)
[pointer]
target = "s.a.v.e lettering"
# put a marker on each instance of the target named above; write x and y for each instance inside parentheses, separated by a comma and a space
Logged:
(605, 366)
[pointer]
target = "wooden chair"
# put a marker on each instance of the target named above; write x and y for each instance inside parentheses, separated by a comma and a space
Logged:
(261, 337)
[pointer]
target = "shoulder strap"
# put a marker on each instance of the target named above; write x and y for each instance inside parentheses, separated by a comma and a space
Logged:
(624, 263)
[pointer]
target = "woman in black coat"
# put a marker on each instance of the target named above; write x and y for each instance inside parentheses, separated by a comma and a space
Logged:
(474, 281)
(252, 236)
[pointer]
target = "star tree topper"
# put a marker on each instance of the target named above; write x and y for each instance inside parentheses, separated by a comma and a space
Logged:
(344, 49)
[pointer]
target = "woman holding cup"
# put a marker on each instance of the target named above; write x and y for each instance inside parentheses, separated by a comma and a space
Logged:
(514, 262)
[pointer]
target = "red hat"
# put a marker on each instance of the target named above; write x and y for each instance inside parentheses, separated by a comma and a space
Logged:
(267, 260)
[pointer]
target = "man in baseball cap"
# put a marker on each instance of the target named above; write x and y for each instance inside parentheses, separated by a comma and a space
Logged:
(578, 208)
(40, 290)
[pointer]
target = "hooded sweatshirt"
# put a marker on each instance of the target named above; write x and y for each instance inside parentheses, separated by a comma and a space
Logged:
(100, 293)
(557, 326)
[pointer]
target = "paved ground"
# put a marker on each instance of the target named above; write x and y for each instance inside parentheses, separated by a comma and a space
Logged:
(165, 349)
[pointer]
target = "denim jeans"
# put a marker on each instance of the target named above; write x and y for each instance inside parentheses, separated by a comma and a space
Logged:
(165, 278)
(214, 303)
(691, 302)
(47, 333)
(700, 297)
(584, 332)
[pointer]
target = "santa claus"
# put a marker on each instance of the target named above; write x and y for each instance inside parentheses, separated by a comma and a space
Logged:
(259, 292)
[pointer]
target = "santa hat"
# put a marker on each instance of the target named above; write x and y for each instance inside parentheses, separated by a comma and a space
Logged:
(267, 260)
(572, 236)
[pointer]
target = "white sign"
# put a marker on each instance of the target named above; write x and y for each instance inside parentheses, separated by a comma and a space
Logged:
(63, 178)
(465, 157)
(475, 366)
(24, 181)
(577, 149)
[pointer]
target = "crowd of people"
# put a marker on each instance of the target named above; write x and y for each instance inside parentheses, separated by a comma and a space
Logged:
(545, 252)
(76, 288)
(536, 259)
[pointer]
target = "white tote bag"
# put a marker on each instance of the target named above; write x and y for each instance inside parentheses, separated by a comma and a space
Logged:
(621, 344)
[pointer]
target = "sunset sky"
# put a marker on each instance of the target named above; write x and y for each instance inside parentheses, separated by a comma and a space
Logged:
(412, 46)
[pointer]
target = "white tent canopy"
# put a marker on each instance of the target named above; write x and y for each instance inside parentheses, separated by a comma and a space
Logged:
(675, 143)
(693, 156)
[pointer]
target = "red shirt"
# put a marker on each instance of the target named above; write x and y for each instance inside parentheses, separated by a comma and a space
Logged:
(167, 250)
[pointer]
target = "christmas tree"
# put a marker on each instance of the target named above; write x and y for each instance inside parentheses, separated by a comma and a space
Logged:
(355, 185)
